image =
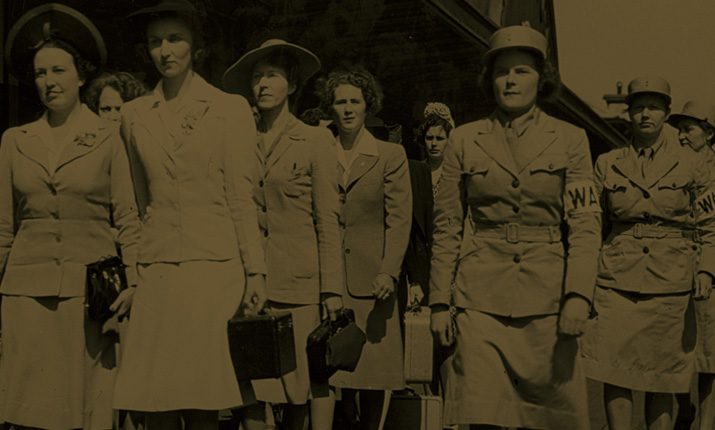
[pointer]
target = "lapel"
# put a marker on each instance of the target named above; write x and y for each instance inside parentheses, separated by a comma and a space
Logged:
(153, 122)
(540, 138)
(366, 159)
(663, 162)
(92, 134)
(496, 147)
(626, 165)
(289, 135)
(421, 192)
(30, 144)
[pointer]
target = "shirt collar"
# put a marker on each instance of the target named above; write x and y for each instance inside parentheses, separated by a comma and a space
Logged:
(366, 144)
(198, 90)
(519, 124)
(653, 149)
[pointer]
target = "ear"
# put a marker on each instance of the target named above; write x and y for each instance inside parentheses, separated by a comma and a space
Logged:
(198, 54)
(292, 88)
(709, 134)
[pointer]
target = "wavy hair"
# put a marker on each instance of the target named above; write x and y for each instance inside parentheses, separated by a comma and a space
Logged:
(124, 83)
(358, 77)
(549, 79)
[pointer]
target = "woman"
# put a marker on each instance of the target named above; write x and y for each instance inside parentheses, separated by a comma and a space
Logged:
(696, 127)
(297, 195)
(190, 149)
(434, 132)
(376, 201)
(521, 300)
(64, 183)
(648, 268)
(109, 91)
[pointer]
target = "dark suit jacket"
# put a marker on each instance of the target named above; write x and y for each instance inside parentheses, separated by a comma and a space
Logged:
(416, 264)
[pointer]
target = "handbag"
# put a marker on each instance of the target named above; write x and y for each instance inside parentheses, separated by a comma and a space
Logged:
(335, 345)
(106, 278)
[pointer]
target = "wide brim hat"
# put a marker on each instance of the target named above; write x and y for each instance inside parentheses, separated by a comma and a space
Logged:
(697, 110)
(648, 85)
(52, 21)
(164, 7)
(237, 79)
(515, 36)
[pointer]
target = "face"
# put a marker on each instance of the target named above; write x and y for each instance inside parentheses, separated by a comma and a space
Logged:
(57, 79)
(692, 134)
(515, 80)
(169, 41)
(349, 108)
(109, 103)
(648, 113)
(270, 86)
(435, 141)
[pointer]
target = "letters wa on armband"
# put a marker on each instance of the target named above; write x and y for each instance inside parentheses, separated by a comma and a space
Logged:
(705, 205)
(581, 197)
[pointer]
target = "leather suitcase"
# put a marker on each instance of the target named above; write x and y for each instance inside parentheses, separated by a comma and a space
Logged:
(419, 345)
(262, 346)
(414, 412)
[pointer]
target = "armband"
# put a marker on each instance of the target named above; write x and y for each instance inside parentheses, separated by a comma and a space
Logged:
(580, 197)
(705, 205)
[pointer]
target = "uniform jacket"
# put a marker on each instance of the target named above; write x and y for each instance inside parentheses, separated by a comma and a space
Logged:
(417, 257)
(376, 213)
(548, 184)
(296, 192)
(676, 189)
(194, 188)
(55, 221)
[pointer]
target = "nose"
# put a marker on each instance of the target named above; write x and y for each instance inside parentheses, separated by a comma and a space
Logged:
(114, 115)
(164, 48)
(49, 80)
(348, 107)
(510, 77)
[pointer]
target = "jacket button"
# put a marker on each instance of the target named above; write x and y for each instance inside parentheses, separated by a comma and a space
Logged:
(55, 215)
(515, 209)
(646, 215)
(347, 250)
(695, 247)
(53, 190)
(517, 258)
(265, 233)
(551, 167)
(515, 183)
(646, 194)
(646, 250)
(58, 239)
(57, 262)
(263, 208)
(260, 183)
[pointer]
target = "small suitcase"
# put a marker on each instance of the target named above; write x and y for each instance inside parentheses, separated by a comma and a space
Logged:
(262, 346)
(334, 345)
(414, 412)
(419, 345)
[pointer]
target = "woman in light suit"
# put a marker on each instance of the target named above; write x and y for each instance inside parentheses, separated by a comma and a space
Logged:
(521, 298)
(64, 182)
(191, 152)
(376, 199)
(296, 191)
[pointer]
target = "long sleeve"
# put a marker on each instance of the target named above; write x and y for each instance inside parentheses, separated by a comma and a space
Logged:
(138, 176)
(239, 169)
(705, 214)
(398, 211)
(7, 206)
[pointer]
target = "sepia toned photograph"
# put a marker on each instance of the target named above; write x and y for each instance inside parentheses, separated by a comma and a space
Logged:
(357, 215)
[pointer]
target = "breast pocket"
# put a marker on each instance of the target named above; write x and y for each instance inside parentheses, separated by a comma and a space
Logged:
(297, 182)
(673, 194)
(475, 171)
(548, 173)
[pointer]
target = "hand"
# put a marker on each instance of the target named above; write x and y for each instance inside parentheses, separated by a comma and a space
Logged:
(703, 286)
(383, 286)
(255, 297)
(415, 295)
(332, 303)
(441, 325)
(574, 315)
(124, 301)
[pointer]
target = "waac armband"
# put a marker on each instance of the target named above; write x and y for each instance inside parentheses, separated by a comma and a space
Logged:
(705, 205)
(581, 197)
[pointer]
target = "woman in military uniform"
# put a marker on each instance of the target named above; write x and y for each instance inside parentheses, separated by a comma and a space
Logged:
(655, 195)
(522, 299)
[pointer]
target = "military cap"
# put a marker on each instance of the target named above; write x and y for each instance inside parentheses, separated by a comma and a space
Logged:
(237, 78)
(515, 36)
(52, 21)
(166, 6)
(697, 110)
(648, 84)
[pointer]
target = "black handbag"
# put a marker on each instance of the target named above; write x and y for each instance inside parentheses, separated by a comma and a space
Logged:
(106, 278)
(335, 345)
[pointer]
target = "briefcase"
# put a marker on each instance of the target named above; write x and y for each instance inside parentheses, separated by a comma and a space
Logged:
(262, 346)
(414, 412)
(419, 345)
(106, 278)
(334, 345)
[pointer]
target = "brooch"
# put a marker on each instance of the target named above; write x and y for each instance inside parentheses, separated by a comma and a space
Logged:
(187, 127)
(85, 139)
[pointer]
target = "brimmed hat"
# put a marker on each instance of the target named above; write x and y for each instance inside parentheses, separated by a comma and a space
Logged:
(697, 110)
(237, 78)
(52, 21)
(182, 6)
(515, 36)
(648, 84)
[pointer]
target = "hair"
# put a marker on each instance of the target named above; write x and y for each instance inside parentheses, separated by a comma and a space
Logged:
(358, 77)
(549, 80)
(195, 22)
(432, 120)
(630, 100)
(124, 83)
(85, 69)
(285, 60)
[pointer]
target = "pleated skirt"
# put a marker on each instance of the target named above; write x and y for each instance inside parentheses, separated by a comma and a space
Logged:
(176, 355)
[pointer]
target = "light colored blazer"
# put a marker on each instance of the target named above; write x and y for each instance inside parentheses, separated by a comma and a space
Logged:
(517, 277)
(55, 221)
(297, 197)
(376, 213)
(194, 189)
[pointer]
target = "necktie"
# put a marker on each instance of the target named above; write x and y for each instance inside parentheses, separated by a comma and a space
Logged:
(644, 157)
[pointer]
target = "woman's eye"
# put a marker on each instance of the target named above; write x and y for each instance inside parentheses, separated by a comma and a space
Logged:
(105, 109)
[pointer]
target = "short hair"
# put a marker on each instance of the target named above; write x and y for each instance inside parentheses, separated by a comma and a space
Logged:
(285, 60)
(549, 80)
(124, 83)
(85, 69)
(432, 120)
(358, 77)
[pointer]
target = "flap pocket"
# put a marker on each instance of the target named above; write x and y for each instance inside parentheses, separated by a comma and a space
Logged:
(674, 182)
(477, 165)
(549, 163)
(613, 184)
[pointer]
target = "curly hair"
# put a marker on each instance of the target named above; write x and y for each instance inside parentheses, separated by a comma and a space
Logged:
(358, 77)
(549, 79)
(85, 69)
(432, 120)
(124, 83)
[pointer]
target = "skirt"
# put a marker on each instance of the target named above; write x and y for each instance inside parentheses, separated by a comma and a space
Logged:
(295, 387)
(381, 366)
(705, 347)
(57, 369)
(514, 372)
(176, 355)
(643, 342)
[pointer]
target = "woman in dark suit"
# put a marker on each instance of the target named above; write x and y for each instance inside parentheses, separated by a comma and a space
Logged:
(376, 199)
(64, 183)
